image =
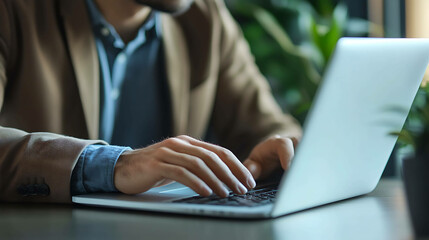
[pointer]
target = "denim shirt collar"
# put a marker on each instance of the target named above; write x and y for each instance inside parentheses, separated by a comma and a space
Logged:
(151, 28)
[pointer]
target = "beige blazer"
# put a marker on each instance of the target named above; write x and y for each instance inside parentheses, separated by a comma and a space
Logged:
(49, 90)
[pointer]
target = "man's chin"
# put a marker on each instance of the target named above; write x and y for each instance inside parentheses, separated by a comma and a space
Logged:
(169, 6)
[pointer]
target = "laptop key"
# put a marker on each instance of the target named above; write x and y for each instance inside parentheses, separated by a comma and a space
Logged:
(255, 197)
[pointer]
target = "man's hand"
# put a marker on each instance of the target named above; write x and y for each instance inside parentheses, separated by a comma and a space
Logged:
(269, 155)
(201, 166)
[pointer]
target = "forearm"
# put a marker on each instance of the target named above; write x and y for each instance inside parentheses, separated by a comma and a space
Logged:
(31, 160)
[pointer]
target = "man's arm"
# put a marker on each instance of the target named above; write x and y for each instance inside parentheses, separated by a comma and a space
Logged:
(33, 166)
(245, 116)
(37, 166)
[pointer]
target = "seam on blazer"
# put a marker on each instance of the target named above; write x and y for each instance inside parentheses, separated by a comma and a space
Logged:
(3, 53)
(7, 42)
(3, 49)
(3, 42)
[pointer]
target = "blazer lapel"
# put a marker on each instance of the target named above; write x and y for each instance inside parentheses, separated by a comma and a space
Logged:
(86, 65)
(178, 72)
(84, 58)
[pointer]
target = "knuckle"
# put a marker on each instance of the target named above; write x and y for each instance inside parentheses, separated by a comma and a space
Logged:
(186, 138)
(163, 150)
(211, 155)
(283, 141)
(196, 163)
(276, 136)
(225, 153)
(172, 141)
(179, 172)
(183, 136)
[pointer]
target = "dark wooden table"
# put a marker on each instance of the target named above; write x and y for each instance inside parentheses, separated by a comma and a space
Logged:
(380, 215)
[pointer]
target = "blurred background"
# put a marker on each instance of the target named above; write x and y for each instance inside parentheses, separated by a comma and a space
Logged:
(292, 41)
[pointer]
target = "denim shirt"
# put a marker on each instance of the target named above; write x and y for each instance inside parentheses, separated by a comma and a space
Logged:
(134, 103)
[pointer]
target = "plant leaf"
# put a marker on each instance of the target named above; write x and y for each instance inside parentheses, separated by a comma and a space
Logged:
(270, 24)
(405, 137)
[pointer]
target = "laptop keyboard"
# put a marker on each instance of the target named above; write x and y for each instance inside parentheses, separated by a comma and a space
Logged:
(254, 197)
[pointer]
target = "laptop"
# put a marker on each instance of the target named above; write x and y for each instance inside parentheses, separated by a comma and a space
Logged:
(366, 94)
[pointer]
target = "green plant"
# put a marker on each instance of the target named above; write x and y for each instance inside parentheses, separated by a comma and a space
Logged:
(292, 41)
(415, 165)
(415, 133)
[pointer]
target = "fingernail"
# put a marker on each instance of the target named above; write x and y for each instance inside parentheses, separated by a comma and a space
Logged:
(251, 183)
(208, 191)
(225, 192)
(242, 189)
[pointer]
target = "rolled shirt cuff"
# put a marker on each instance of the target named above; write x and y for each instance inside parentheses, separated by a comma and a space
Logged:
(94, 171)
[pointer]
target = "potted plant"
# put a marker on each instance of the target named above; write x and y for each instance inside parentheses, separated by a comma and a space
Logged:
(292, 42)
(415, 166)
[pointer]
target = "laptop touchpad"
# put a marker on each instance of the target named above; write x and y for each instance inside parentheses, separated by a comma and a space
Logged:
(173, 190)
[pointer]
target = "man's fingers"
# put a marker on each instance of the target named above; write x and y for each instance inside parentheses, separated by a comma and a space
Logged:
(285, 151)
(211, 159)
(203, 167)
(217, 166)
(236, 167)
(253, 167)
(183, 176)
(268, 155)
(198, 167)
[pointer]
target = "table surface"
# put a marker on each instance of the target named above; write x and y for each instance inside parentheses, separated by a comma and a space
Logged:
(381, 214)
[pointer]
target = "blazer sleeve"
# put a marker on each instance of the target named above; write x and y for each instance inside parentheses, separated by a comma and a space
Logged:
(245, 111)
(33, 166)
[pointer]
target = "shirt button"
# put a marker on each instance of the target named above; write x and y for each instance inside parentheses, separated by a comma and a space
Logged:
(121, 57)
(105, 31)
(114, 94)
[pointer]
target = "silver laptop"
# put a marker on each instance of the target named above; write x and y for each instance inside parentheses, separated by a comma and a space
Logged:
(366, 94)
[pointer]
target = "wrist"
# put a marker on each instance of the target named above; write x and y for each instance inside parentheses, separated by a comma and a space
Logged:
(123, 171)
